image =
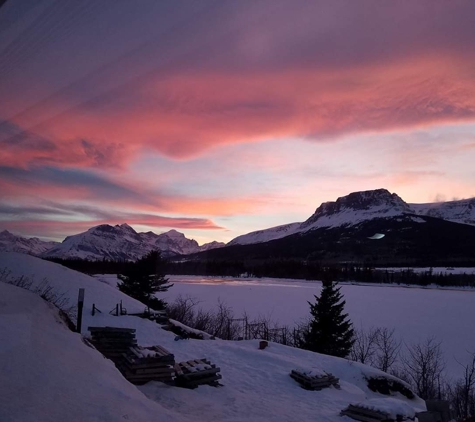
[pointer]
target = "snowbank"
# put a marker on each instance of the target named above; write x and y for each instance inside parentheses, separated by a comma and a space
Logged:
(48, 374)
(50, 370)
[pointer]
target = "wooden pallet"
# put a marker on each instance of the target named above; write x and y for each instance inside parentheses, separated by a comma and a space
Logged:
(111, 329)
(315, 383)
(365, 415)
(112, 342)
(191, 374)
(140, 369)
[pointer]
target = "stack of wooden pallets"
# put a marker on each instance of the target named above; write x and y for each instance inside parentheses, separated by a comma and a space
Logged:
(197, 372)
(315, 382)
(143, 364)
(113, 342)
(363, 414)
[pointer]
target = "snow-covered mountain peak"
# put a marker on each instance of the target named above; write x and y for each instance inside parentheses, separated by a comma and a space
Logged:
(461, 211)
(345, 211)
(366, 200)
(5, 235)
(356, 207)
(126, 227)
(33, 246)
(211, 245)
(174, 234)
(266, 235)
(123, 242)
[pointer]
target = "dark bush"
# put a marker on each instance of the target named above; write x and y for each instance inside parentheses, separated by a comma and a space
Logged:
(387, 386)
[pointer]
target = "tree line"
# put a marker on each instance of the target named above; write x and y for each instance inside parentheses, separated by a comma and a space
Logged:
(282, 268)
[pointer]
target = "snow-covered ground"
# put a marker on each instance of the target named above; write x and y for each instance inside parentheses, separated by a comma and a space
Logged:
(415, 313)
(49, 374)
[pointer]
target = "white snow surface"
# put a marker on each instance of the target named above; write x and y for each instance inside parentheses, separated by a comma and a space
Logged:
(461, 211)
(414, 312)
(266, 235)
(390, 406)
(48, 374)
(51, 375)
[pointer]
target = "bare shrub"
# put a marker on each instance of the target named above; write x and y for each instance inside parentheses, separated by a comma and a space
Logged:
(462, 393)
(364, 347)
(183, 309)
(423, 366)
(387, 349)
(43, 289)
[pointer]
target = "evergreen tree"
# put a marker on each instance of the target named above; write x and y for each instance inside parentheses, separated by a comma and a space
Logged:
(145, 277)
(330, 332)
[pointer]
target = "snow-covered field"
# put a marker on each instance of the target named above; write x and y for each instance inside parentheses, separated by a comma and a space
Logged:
(49, 374)
(415, 313)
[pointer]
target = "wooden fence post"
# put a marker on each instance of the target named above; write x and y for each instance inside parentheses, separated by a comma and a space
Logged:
(80, 307)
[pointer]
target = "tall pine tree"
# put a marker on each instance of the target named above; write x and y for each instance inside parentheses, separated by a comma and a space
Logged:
(145, 277)
(330, 332)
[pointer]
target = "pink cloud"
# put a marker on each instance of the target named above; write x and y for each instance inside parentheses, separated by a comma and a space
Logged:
(183, 115)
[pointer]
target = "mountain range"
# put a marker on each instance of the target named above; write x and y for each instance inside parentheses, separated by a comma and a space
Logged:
(119, 242)
(364, 206)
(338, 230)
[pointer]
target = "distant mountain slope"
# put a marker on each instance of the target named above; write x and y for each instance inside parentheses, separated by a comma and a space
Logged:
(123, 242)
(33, 246)
(266, 235)
(462, 211)
(408, 240)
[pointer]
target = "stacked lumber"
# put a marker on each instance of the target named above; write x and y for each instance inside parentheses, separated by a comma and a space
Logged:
(315, 382)
(143, 364)
(113, 342)
(367, 415)
(197, 372)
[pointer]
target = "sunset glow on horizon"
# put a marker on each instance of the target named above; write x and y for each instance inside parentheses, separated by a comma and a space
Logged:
(221, 118)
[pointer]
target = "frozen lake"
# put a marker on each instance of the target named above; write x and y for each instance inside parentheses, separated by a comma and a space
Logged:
(415, 313)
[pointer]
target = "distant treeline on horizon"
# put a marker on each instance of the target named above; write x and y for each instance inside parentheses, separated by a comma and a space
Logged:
(283, 268)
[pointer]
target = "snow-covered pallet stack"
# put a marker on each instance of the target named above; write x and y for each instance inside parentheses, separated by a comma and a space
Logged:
(113, 342)
(364, 414)
(314, 381)
(143, 364)
(197, 372)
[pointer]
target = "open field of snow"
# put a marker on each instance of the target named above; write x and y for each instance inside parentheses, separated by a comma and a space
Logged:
(51, 375)
(415, 313)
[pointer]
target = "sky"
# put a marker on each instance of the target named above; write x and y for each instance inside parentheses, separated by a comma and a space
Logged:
(217, 118)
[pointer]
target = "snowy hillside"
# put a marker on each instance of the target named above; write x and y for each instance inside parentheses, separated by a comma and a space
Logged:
(123, 242)
(211, 245)
(266, 235)
(462, 211)
(49, 374)
(33, 246)
(66, 380)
